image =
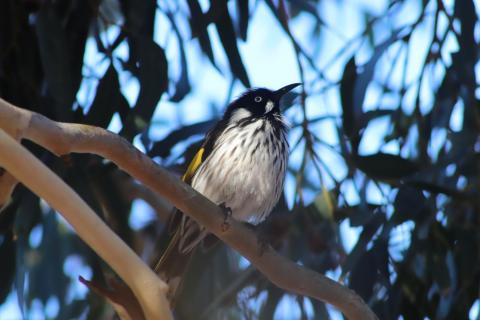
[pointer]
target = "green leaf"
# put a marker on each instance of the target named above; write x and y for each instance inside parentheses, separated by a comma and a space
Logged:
(324, 202)
(384, 166)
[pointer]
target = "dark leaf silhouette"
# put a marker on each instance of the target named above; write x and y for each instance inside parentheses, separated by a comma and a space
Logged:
(244, 17)
(347, 85)
(409, 203)
(7, 268)
(77, 31)
(139, 17)
(447, 96)
(227, 36)
(465, 11)
(363, 79)
(369, 230)
(55, 59)
(108, 100)
(385, 166)
(368, 116)
(151, 70)
(367, 270)
(183, 84)
(198, 25)
(164, 147)
(45, 272)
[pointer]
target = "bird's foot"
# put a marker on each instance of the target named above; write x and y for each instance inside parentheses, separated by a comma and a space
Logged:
(227, 214)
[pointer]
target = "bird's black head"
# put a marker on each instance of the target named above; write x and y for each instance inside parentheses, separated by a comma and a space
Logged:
(258, 102)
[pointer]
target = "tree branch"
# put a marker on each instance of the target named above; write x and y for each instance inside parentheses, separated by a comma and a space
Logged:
(62, 138)
(147, 287)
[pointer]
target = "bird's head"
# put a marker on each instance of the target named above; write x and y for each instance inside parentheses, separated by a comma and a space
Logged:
(258, 102)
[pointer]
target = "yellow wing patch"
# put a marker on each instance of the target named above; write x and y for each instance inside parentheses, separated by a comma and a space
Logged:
(193, 166)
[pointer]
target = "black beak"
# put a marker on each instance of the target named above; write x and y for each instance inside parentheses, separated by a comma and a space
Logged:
(280, 92)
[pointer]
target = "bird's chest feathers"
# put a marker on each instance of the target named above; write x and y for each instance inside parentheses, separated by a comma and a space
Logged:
(253, 150)
(249, 164)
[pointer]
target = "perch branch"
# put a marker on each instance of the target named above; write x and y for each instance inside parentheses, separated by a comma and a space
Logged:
(63, 138)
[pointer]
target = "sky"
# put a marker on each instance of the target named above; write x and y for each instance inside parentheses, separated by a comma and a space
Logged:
(270, 62)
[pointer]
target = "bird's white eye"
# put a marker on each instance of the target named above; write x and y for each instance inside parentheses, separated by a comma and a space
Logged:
(258, 99)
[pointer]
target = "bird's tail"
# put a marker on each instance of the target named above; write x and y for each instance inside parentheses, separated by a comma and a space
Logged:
(174, 261)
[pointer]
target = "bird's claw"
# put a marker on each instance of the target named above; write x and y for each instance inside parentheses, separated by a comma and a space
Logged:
(227, 214)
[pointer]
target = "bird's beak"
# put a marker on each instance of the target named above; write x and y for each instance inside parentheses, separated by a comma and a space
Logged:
(280, 92)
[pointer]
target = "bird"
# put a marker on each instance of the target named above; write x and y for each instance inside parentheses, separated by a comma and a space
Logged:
(240, 166)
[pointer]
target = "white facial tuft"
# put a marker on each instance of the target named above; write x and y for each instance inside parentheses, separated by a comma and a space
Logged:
(269, 106)
(239, 114)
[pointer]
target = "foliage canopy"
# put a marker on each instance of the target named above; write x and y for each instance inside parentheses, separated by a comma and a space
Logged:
(412, 199)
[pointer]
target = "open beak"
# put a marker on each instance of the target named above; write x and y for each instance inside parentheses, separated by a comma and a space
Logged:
(280, 92)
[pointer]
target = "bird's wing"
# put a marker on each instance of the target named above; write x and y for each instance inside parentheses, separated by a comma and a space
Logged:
(204, 151)
(193, 166)
(199, 158)
(172, 262)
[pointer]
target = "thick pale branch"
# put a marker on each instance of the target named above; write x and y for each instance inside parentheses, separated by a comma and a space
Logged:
(62, 138)
(148, 288)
